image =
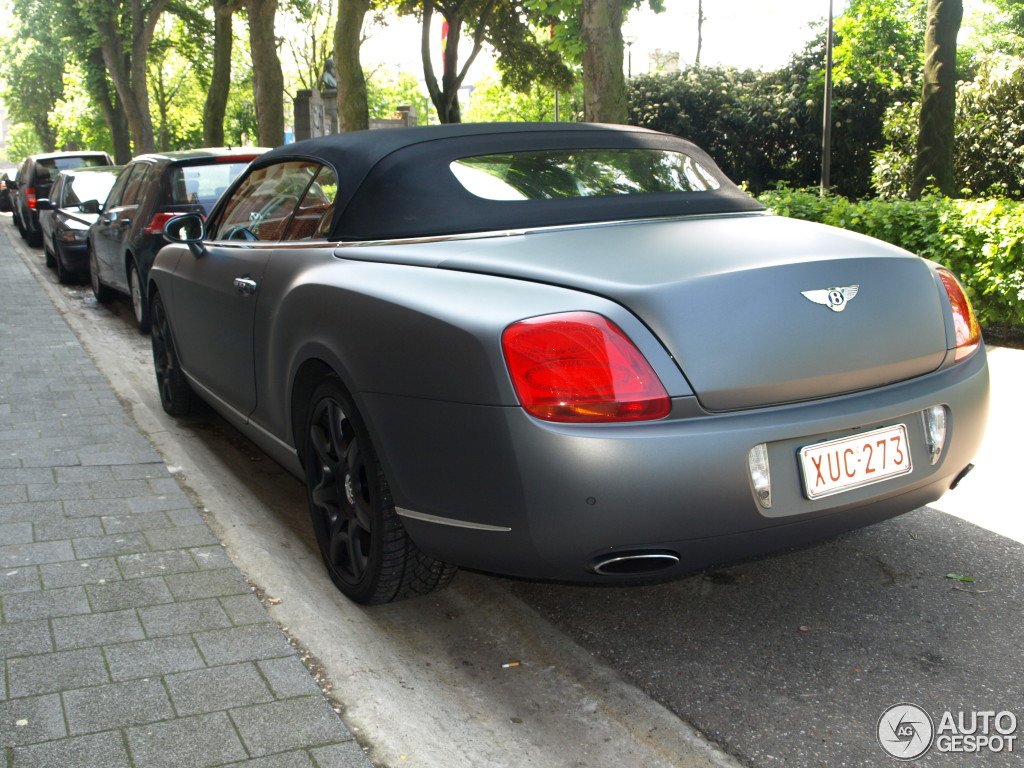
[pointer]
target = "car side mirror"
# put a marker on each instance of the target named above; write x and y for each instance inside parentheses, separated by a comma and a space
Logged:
(188, 229)
(45, 205)
(89, 206)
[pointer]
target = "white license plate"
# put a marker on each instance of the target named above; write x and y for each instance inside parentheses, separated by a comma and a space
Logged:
(855, 461)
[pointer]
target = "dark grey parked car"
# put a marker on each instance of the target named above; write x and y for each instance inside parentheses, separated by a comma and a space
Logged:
(560, 351)
(65, 217)
(153, 189)
(36, 174)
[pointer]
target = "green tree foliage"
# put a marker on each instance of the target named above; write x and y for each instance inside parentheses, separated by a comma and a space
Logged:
(33, 69)
(22, 142)
(311, 44)
(589, 33)
(509, 27)
(982, 241)
(988, 155)
(765, 127)
(124, 32)
(76, 119)
(754, 124)
(491, 101)
(175, 88)
(387, 91)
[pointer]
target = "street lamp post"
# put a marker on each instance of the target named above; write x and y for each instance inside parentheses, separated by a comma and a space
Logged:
(826, 132)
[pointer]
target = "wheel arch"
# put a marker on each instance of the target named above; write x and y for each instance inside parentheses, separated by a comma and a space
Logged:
(308, 375)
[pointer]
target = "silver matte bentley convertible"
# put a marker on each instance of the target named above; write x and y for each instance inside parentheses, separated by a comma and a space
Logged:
(561, 351)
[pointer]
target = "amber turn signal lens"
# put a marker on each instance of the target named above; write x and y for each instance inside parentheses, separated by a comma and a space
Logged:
(968, 330)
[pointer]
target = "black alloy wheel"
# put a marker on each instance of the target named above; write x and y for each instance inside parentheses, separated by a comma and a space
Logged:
(365, 547)
(176, 394)
(138, 296)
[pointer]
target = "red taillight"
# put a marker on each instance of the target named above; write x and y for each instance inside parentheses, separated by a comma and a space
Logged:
(156, 224)
(968, 330)
(580, 367)
(30, 197)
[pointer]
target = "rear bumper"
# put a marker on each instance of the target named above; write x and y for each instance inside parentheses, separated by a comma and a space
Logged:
(494, 489)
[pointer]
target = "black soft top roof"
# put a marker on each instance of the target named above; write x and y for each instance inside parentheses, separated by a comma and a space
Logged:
(397, 183)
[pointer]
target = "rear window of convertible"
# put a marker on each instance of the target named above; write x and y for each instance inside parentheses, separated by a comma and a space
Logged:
(550, 174)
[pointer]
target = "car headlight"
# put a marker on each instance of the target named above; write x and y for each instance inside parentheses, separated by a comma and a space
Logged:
(72, 235)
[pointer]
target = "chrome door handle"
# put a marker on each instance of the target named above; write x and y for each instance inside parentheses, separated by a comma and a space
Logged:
(245, 285)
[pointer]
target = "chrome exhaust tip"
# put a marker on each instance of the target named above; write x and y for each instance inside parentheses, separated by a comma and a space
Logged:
(634, 563)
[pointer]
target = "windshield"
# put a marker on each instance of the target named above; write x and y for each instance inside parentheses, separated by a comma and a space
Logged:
(89, 185)
(547, 174)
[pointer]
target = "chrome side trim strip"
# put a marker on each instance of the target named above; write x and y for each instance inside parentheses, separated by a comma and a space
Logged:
(538, 230)
(449, 521)
(340, 244)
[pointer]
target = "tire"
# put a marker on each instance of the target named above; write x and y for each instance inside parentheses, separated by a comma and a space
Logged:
(176, 395)
(364, 545)
(64, 275)
(138, 296)
(49, 258)
(33, 237)
(103, 294)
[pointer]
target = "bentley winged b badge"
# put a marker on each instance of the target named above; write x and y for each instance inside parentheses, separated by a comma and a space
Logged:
(835, 299)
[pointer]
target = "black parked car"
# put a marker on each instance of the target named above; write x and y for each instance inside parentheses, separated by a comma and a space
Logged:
(33, 181)
(151, 190)
(65, 217)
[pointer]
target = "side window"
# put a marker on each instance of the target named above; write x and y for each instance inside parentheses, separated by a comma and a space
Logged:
(117, 191)
(57, 192)
(312, 220)
(133, 192)
(261, 207)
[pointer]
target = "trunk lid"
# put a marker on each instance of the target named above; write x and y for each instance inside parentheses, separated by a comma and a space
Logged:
(726, 297)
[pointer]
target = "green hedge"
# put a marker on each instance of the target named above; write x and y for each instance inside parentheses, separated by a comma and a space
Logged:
(982, 241)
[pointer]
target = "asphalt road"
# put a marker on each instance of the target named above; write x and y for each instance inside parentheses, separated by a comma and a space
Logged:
(788, 660)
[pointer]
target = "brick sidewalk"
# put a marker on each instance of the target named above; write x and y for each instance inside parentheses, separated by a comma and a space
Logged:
(127, 636)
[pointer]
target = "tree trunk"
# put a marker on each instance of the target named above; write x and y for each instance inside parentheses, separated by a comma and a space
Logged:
(604, 84)
(268, 79)
(45, 132)
(445, 96)
(128, 69)
(216, 104)
(442, 95)
(934, 162)
(353, 110)
(139, 124)
(110, 106)
(700, 31)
